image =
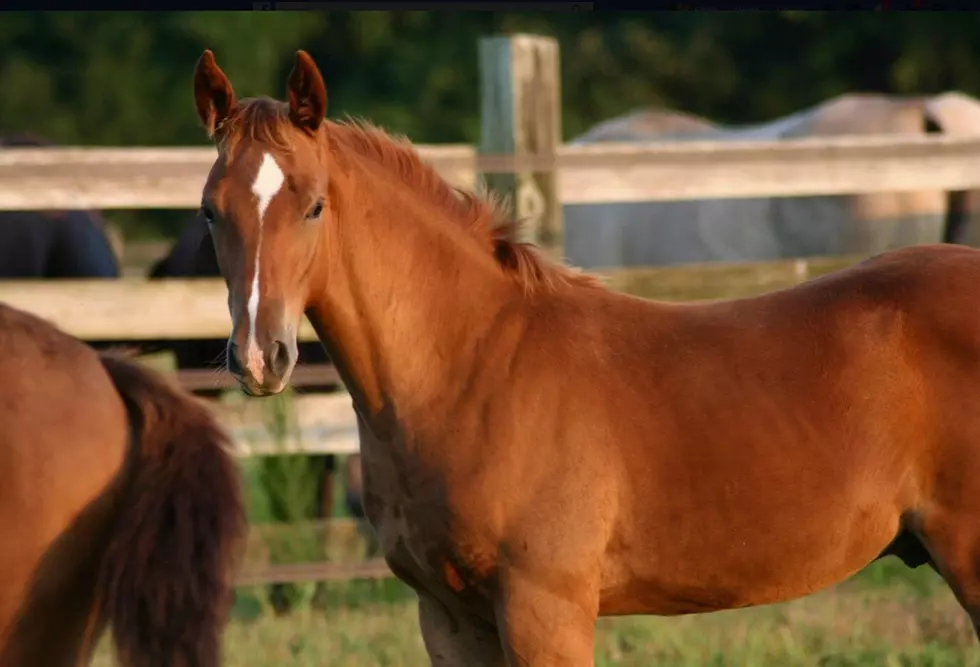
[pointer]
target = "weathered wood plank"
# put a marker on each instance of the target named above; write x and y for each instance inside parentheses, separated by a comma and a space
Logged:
(218, 378)
(135, 178)
(130, 308)
(134, 309)
(798, 167)
(173, 177)
(317, 424)
(283, 574)
(340, 540)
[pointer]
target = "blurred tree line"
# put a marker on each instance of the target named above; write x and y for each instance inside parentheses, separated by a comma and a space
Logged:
(124, 78)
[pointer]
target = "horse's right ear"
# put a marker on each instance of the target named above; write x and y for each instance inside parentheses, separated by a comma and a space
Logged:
(213, 94)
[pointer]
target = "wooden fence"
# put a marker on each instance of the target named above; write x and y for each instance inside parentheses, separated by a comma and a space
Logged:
(520, 154)
(137, 178)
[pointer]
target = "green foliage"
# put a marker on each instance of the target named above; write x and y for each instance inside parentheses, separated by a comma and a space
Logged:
(124, 78)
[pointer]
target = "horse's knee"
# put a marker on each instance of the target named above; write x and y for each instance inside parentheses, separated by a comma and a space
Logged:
(541, 627)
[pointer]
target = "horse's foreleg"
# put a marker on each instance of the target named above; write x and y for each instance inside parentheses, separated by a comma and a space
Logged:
(547, 623)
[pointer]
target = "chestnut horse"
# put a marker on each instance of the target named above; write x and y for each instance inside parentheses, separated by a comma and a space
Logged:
(119, 505)
(539, 450)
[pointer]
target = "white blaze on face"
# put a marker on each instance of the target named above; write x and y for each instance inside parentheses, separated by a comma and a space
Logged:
(268, 181)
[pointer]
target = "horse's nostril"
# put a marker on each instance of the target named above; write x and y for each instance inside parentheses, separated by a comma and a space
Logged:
(234, 365)
(278, 358)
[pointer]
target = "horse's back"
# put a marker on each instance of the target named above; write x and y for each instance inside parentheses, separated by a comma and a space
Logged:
(801, 428)
(933, 288)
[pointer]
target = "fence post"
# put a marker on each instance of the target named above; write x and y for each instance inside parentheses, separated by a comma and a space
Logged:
(520, 114)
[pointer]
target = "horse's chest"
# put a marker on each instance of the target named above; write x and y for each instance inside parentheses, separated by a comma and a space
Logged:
(406, 525)
(413, 528)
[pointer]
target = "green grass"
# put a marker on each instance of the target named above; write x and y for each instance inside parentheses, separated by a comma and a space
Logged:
(887, 616)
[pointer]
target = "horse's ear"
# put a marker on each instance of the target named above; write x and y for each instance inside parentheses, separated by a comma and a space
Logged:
(213, 94)
(307, 93)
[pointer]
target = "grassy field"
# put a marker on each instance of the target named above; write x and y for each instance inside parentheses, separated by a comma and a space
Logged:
(886, 616)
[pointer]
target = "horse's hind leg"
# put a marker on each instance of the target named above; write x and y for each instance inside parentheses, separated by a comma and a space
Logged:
(953, 541)
(48, 621)
(455, 640)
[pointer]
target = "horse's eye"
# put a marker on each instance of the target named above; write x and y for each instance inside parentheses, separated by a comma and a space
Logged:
(207, 213)
(315, 211)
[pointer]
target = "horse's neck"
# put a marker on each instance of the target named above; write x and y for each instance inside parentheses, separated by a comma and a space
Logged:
(408, 301)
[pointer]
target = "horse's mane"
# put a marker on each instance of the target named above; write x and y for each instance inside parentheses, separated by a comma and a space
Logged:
(485, 216)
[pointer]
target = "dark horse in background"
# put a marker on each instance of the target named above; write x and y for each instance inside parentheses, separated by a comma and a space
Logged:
(53, 244)
(192, 256)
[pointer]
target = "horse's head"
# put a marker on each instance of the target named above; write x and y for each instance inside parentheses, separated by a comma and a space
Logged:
(266, 203)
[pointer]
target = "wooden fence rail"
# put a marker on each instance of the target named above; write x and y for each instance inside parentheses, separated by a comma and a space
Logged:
(340, 541)
(375, 568)
(138, 309)
(319, 424)
(135, 178)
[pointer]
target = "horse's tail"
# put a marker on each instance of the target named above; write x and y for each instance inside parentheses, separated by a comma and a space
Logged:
(165, 587)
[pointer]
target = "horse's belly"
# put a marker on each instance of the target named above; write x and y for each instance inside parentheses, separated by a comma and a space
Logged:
(752, 569)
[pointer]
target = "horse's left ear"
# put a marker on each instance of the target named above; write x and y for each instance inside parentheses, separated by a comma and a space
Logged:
(307, 94)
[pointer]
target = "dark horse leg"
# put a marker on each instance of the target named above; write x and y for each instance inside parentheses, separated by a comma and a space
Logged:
(953, 539)
(949, 524)
(455, 640)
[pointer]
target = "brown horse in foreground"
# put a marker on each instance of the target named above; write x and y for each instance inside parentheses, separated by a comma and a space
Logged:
(119, 506)
(538, 450)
